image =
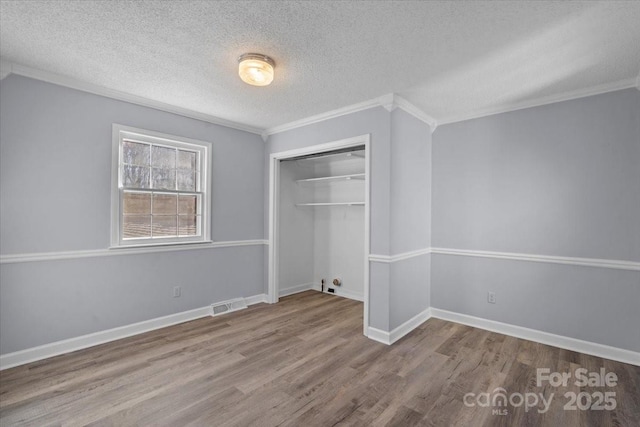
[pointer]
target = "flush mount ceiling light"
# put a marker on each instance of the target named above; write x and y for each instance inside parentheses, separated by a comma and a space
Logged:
(256, 69)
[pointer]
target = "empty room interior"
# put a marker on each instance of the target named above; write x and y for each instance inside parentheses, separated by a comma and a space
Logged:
(318, 213)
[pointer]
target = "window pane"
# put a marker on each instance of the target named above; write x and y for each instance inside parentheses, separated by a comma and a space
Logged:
(135, 176)
(164, 179)
(161, 185)
(136, 226)
(163, 157)
(186, 180)
(188, 204)
(165, 225)
(165, 204)
(136, 203)
(135, 153)
(186, 160)
(188, 225)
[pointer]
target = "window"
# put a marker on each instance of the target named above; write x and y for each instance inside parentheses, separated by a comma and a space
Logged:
(160, 191)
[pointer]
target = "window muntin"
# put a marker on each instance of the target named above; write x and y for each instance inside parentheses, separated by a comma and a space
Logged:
(162, 191)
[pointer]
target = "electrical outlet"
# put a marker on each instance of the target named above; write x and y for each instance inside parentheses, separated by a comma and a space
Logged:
(491, 297)
(331, 290)
(177, 290)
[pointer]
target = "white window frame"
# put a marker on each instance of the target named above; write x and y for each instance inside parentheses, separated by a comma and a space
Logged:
(121, 133)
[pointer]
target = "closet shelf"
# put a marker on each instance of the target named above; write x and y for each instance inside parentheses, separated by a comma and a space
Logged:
(354, 176)
(330, 204)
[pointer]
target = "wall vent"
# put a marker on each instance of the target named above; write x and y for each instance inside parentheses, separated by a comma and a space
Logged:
(228, 306)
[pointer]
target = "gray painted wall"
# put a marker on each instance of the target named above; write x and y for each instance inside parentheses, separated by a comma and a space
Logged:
(410, 216)
(44, 302)
(55, 177)
(560, 179)
(409, 289)
(591, 304)
(56, 167)
(410, 183)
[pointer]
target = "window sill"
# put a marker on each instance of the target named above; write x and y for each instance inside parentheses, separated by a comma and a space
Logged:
(162, 245)
(165, 247)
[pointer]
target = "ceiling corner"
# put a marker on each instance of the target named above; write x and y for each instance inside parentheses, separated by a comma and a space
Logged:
(388, 101)
(416, 112)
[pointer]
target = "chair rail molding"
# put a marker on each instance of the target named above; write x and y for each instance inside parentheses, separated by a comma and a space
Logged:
(585, 262)
(136, 250)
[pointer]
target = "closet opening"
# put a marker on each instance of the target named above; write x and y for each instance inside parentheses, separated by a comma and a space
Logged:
(319, 221)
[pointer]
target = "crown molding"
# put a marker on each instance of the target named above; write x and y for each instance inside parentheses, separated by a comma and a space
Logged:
(389, 102)
(70, 82)
(392, 101)
(408, 107)
(349, 109)
(545, 100)
(5, 68)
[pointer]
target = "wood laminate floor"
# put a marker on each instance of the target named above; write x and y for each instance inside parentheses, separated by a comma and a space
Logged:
(305, 362)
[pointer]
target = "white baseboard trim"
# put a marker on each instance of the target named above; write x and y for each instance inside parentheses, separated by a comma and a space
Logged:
(573, 344)
(45, 351)
(296, 289)
(410, 325)
(256, 299)
(378, 335)
(345, 293)
(399, 332)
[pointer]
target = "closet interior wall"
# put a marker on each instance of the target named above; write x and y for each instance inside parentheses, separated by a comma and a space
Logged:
(322, 224)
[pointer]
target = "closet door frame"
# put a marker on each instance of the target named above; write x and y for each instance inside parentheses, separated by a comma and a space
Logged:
(274, 197)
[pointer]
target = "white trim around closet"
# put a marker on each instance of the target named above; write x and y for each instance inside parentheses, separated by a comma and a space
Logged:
(274, 191)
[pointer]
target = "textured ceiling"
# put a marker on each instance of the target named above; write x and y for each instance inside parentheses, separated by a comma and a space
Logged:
(450, 59)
